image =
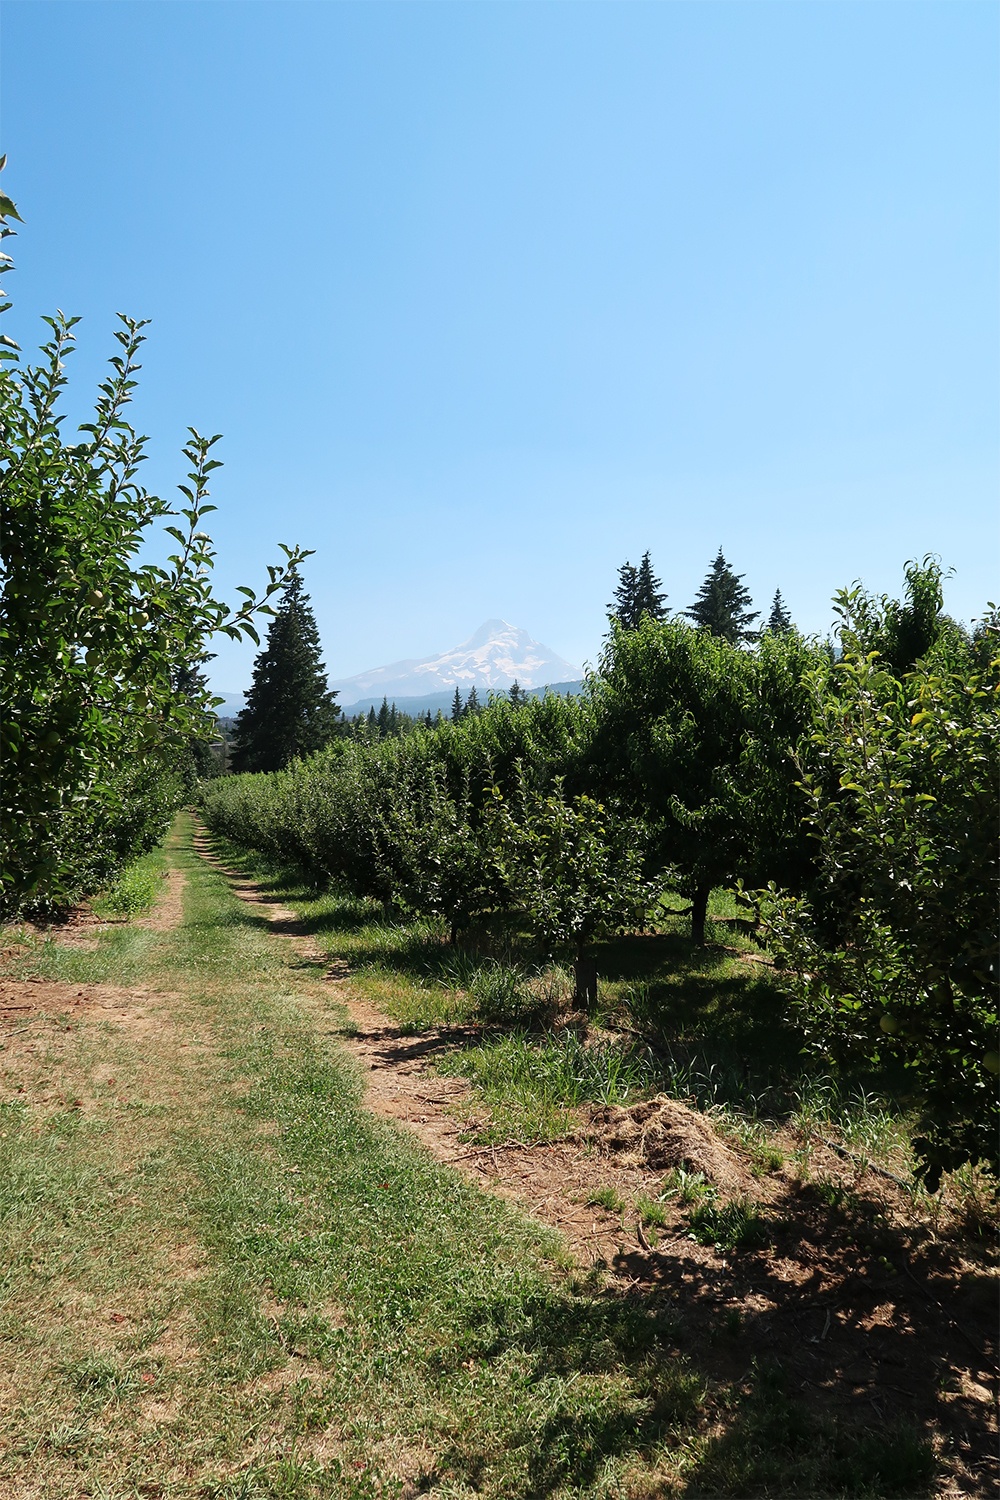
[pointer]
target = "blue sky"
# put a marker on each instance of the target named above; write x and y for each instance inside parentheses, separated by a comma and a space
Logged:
(487, 298)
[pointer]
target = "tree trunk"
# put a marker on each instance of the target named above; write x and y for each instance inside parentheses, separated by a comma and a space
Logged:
(585, 975)
(699, 911)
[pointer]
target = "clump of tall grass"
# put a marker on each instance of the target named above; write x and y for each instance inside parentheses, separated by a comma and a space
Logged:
(533, 1083)
(736, 1225)
(135, 891)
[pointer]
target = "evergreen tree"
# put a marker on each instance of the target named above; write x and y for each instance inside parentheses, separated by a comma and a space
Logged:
(472, 701)
(638, 593)
(289, 709)
(779, 620)
(393, 721)
(623, 606)
(650, 598)
(721, 605)
(517, 694)
(383, 719)
(428, 721)
(456, 707)
(201, 759)
(372, 722)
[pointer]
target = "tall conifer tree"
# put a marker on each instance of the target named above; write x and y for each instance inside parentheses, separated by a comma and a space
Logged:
(721, 605)
(456, 707)
(638, 593)
(289, 709)
(779, 621)
(650, 598)
(622, 606)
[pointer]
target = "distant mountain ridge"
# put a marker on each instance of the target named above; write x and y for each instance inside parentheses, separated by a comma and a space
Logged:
(494, 657)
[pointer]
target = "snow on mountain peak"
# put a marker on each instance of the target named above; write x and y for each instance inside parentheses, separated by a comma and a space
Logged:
(494, 657)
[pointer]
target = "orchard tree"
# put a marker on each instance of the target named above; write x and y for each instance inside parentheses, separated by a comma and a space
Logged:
(93, 733)
(902, 630)
(445, 865)
(574, 869)
(289, 710)
(721, 606)
(698, 739)
(893, 955)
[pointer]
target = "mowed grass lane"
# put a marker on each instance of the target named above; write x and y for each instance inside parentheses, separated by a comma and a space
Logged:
(220, 1276)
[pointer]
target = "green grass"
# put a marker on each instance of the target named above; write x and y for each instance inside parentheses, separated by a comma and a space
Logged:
(534, 1084)
(136, 889)
(223, 1277)
(607, 1197)
(736, 1225)
(696, 1023)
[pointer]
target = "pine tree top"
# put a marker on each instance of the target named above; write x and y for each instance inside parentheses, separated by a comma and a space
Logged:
(638, 593)
(721, 604)
(779, 621)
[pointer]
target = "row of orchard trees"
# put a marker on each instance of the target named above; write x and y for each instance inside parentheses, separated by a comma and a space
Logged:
(850, 795)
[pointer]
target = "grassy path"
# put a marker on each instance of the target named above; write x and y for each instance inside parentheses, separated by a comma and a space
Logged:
(220, 1276)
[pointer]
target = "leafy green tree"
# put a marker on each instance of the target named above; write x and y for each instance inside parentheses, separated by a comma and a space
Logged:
(698, 739)
(574, 868)
(289, 710)
(893, 953)
(93, 732)
(779, 620)
(638, 593)
(721, 606)
(902, 630)
(443, 865)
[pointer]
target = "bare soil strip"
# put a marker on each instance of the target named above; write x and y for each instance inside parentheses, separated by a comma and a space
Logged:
(867, 1310)
(82, 927)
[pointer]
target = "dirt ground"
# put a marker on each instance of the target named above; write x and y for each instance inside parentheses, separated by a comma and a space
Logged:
(875, 1315)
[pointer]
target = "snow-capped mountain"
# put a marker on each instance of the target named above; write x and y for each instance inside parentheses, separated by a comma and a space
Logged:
(494, 657)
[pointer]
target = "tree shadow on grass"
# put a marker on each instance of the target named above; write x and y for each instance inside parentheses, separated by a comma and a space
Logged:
(812, 1368)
